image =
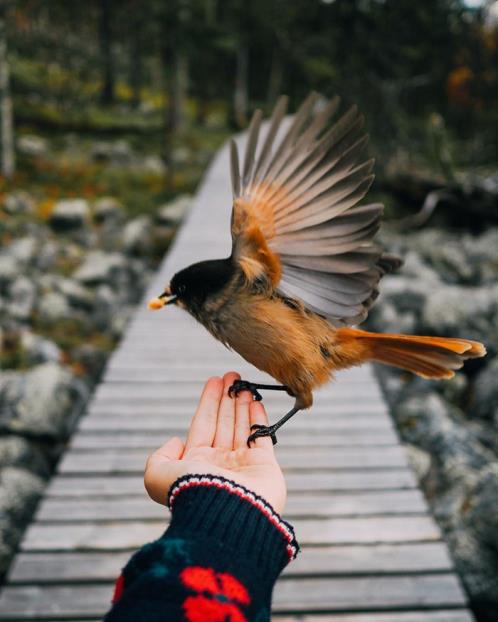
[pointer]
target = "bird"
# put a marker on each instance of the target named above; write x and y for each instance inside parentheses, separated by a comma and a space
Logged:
(304, 267)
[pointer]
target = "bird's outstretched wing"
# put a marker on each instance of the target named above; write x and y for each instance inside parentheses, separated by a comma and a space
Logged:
(295, 216)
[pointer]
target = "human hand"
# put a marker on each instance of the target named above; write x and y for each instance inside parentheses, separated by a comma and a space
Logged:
(217, 445)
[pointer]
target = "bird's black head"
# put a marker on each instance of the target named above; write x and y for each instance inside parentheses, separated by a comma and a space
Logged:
(192, 287)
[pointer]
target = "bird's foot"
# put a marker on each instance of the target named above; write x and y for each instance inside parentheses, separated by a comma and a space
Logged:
(244, 385)
(261, 431)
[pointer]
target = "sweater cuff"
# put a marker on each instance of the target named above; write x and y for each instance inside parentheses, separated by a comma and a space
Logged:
(216, 508)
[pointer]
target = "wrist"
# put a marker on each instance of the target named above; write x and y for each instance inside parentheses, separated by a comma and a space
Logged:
(217, 509)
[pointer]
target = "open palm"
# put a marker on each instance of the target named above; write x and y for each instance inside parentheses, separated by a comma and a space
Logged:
(217, 445)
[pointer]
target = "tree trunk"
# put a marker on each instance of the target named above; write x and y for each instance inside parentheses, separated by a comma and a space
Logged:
(276, 74)
(6, 120)
(107, 95)
(178, 91)
(136, 68)
(240, 100)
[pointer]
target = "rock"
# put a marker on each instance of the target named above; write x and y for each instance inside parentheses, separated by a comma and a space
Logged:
(18, 452)
(76, 294)
(19, 202)
(118, 152)
(419, 460)
(452, 263)
(47, 255)
(106, 306)
(53, 306)
(44, 402)
(24, 250)
(416, 268)
(119, 320)
(384, 317)
(19, 494)
(454, 310)
(22, 294)
(485, 394)
(405, 293)
(171, 214)
(121, 152)
(112, 311)
(137, 236)
(32, 145)
(70, 214)
(481, 508)
(181, 155)
(141, 274)
(92, 360)
(100, 267)
(475, 542)
(38, 349)
(108, 210)
(8, 269)
(430, 424)
(153, 164)
(482, 251)
(455, 389)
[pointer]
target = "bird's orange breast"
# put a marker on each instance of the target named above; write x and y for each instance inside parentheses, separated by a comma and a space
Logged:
(284, 340)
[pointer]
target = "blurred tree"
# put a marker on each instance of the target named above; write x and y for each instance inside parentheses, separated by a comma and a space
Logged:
(136, 43)
(107, 94)
(241, 86)
(6, 120)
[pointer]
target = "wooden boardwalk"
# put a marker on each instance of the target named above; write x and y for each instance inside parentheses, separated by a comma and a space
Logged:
(371, 551)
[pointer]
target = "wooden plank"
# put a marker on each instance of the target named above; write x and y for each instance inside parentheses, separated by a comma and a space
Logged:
(387, 503)
(143, 423)
(133, 460)
(38, 602)
(163, 389)
(451, 615)
(337, 594)
(433, 591)
(114, 536)
(150, 441)
(400, 479)
(159, 372)
(381, 559)
(178, 410)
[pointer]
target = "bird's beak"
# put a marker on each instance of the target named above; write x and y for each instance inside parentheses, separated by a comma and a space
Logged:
(161, 301)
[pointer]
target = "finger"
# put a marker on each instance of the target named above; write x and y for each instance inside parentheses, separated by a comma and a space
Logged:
(225, 425)
(203, 426)
(242, 426)
(258, 416)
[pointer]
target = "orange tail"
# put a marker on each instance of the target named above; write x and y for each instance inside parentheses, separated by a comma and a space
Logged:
(429, 357)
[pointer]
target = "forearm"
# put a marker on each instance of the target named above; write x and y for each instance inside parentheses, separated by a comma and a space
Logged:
(219, 558)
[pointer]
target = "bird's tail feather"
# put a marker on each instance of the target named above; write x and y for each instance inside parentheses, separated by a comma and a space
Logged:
(429, 357)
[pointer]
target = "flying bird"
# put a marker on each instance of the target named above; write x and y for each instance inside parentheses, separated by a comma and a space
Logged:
(304, 267)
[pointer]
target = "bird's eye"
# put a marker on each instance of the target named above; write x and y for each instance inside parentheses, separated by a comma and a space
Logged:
(181, 289)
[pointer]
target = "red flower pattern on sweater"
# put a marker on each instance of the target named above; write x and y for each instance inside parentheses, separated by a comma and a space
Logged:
(219, 596)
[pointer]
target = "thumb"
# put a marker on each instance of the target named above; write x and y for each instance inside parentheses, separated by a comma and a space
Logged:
(163, 468)
(171, 450)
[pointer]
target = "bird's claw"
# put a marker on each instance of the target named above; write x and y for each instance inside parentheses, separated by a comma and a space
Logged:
(244, 385)
(261, 431)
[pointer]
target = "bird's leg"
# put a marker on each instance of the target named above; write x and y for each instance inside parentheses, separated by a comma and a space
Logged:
(244, 385)
(269, 430)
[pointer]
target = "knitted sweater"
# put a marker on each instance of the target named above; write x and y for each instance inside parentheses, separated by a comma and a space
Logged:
(217, 561)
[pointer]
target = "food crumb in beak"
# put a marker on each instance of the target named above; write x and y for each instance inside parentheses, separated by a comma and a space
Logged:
(155, 304)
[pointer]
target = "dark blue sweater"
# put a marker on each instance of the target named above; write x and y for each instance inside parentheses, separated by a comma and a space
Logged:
(217, 561)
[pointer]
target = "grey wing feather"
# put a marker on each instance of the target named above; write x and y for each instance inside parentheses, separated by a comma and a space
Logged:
(312, 178)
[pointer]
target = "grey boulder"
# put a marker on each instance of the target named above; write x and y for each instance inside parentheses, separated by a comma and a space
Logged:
(44, 402)
(70, 214)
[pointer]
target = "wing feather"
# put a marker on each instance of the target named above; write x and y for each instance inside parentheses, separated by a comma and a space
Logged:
(296, 217)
